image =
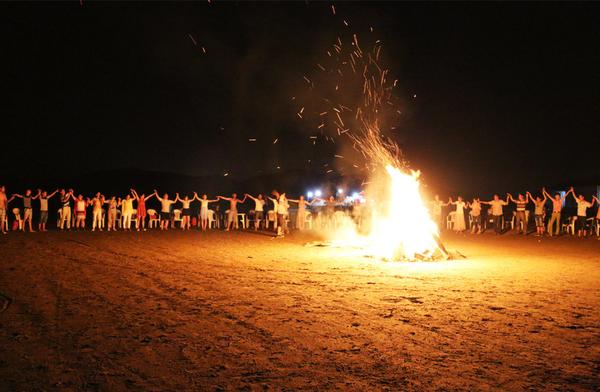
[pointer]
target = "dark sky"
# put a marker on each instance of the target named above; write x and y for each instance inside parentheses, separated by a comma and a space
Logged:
(507, 95)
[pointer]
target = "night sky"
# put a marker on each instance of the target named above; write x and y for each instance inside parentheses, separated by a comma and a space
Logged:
(507, 95)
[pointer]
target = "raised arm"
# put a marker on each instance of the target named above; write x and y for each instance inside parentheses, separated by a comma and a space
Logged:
(52, 194)
(134, 194)
(16, 195)
(572, 192)
(38, 194)
(224, 198)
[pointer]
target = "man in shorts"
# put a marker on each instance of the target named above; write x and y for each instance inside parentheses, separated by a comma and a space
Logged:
(165, 211)
(259, 205)
(582, 206)
(3, 208)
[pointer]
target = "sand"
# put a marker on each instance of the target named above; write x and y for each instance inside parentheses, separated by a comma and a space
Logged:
(174, 311)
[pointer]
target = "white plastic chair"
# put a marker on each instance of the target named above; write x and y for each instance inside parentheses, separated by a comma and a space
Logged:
(17, 214)
(569, 226)
(58, 217)
(212, 221)
(177, 217)
(153, 219)
(271, 217)
(308, 220)
(241, 217)
(450, 220)
(5, 223)
(134, 218)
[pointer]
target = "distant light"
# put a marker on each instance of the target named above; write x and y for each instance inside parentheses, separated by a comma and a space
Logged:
(415, 96)
(355, 195)
(340, 191)
(309, 194)
(318, 193)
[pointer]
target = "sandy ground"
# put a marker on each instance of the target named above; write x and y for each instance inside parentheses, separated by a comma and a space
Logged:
(240, 311)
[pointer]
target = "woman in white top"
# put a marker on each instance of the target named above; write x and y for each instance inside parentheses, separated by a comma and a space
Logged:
(459, 218)
(301, 215)
(204, 209)
(259, 205)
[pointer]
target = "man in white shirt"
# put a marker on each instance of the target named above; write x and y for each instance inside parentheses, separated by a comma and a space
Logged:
(497, 212)
(44, 197)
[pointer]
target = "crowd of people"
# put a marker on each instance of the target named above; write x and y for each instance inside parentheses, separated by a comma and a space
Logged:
(579, 224)
(113, 213)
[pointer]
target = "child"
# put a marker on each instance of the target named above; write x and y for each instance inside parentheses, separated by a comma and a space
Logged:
(259, 205)
(27, 208)
(582, 206)
(497, 213)
(232, 214)
(557, 203)
(204, 209)
(539, 213)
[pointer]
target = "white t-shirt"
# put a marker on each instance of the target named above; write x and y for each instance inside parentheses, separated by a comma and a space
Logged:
(258, 205)
(582, 207)
(497, 206)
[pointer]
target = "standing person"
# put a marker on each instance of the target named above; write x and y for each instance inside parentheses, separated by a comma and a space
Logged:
(275, 208)
(282, 214)
(4, 207)
(126, 212)
(475, 206)
(186, 211)
(80, 206)
(204, 209)
(597, 214)
(44, 197)
(497, 212)
(459, 217)
(301, 215)
(259, 206)
(27, 207)
(521, 215)
(141, 208)
(165, 210)
(582, 206)
(97, 202)
(557, 203)
(437, 205)
(112, 214)
(232, 214)
(65, 212)
(539, 204)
